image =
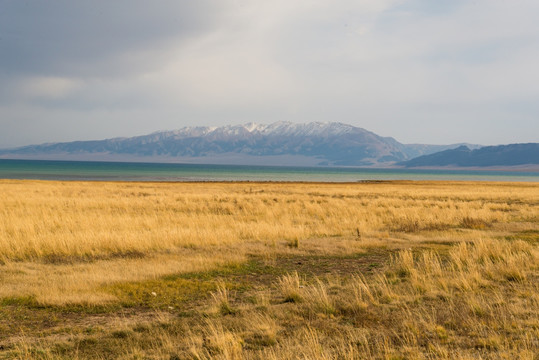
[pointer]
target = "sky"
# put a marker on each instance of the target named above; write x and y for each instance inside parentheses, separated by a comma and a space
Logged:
(421, 71)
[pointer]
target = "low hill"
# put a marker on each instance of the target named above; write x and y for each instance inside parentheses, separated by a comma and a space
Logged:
(501, 156)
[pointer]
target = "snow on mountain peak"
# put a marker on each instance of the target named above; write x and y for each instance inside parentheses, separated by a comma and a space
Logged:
(280, 128)
(308, 129)
(286, 128)
(253, 127)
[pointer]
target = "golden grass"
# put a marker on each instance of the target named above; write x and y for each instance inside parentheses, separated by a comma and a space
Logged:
(454, 269)
(424, 306)
(58, 220)
(60, 241)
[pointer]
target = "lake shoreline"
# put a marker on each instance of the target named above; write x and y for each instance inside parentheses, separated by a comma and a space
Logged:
(160, 172)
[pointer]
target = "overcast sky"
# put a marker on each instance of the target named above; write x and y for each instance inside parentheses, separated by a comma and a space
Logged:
(421, 71)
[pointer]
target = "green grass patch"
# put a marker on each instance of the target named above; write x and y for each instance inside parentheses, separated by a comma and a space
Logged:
(172, 291)
(27, 301)
(160, 293)
(251, 267)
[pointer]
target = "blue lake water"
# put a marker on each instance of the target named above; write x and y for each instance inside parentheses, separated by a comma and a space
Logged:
(123, 171)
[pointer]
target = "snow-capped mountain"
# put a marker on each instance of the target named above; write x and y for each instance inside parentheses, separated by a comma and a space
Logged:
(280, 128)
(279, 143)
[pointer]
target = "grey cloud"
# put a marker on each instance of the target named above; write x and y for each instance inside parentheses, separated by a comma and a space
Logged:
(419, 70)
(73, 38)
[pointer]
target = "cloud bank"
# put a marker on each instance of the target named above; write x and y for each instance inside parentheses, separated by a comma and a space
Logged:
(420, 71)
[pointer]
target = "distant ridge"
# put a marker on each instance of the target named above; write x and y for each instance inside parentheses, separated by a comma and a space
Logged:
(280, 143)
(502, 155)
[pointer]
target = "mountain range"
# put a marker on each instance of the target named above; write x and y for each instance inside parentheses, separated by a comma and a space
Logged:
(280, 143)
(502, 155)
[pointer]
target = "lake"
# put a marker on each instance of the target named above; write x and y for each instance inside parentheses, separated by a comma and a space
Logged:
(124, 171)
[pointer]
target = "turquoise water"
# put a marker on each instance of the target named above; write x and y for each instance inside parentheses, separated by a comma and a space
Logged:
(119, 171)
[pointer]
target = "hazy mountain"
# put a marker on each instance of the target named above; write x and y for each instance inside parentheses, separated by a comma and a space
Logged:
(278, 143)
(503, 155)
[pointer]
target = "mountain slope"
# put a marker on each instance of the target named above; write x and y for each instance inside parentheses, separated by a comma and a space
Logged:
(503, 155)
(319, 143)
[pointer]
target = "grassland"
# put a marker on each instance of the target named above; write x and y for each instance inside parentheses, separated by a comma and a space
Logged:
(396, 270)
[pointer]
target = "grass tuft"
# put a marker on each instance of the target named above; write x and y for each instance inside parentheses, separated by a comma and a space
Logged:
(290, 287)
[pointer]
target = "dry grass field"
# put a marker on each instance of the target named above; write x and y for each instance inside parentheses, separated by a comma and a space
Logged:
(382, 270)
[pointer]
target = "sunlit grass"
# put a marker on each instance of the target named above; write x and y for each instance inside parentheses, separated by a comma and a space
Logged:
(54, 221)
(397, 270)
